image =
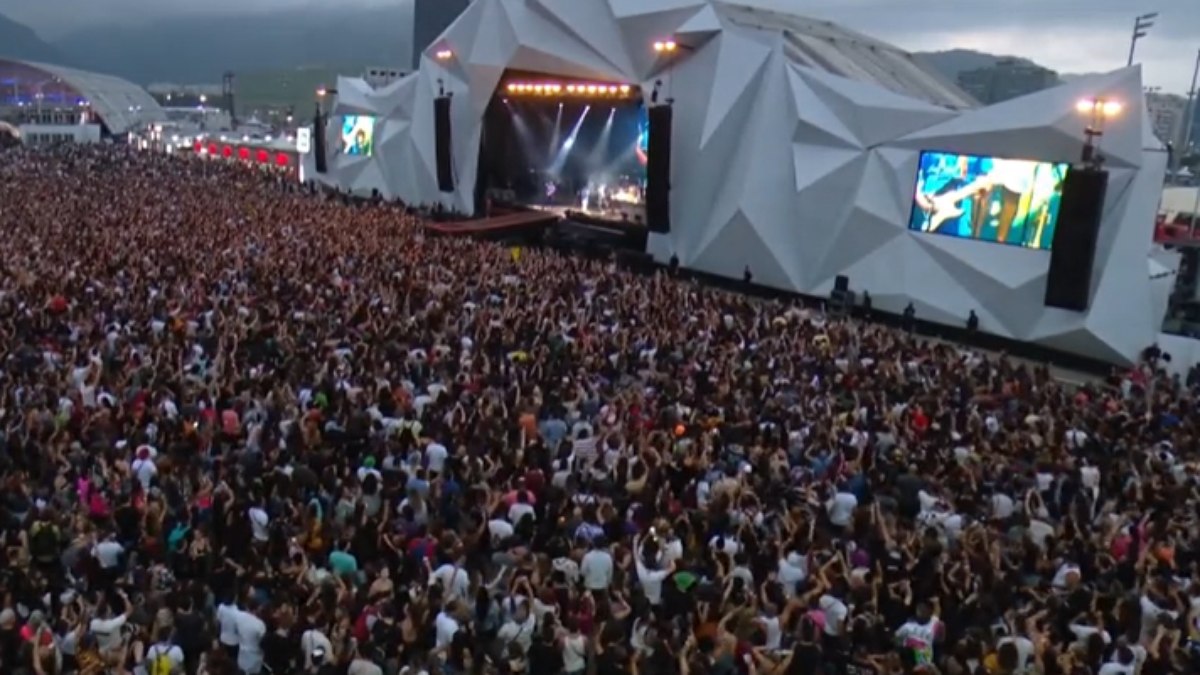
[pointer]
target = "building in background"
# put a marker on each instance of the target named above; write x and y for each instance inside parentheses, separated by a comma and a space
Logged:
(430, 18)
(282, 98)
(174, 95)
(1167, 113)
(1009, 78)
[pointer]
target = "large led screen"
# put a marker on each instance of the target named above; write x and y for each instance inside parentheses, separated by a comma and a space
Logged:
(1008, 201)
(358, 135)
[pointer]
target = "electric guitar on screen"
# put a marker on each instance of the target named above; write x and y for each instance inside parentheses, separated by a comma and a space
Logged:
(948, 206)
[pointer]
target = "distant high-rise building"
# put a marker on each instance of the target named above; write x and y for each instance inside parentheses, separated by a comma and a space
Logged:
(1167, 113)
(1009, 78)
(431, 17)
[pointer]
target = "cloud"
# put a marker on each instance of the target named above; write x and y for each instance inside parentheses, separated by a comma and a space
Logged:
(1067, 35)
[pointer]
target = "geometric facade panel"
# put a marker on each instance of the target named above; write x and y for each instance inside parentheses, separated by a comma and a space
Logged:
(800, 172)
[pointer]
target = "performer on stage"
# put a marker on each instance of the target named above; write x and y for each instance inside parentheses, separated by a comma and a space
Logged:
(584, 196)
(551, 190)
(602, 197)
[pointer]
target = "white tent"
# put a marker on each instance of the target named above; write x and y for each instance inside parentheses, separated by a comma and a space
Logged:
(1178, 200)
(795, 150)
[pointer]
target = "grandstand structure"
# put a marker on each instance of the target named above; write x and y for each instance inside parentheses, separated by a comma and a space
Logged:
(795, 151)
(56, 95)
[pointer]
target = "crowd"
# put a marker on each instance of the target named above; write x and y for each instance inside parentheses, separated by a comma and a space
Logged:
(248, 429)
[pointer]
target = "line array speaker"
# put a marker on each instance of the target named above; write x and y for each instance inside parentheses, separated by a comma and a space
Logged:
(319, 142)
(1068, 285)
(658, 170)
(441, 124)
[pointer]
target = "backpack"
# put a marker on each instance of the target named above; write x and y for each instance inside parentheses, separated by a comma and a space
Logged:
(43, 544)
(158, 661)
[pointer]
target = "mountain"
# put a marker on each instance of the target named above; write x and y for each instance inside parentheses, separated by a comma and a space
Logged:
(18, 41)
(952, 62)
(199, 49)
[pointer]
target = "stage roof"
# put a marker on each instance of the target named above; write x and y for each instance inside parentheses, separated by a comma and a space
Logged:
(120, 104)
(829, 47)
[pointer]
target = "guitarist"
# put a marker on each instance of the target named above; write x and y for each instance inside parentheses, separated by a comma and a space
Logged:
(943, 185)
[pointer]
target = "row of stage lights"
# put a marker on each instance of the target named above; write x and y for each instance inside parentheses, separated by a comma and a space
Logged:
(553, 89)
(660, 46)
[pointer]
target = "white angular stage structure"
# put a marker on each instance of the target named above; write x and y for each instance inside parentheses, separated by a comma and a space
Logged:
(795, 150)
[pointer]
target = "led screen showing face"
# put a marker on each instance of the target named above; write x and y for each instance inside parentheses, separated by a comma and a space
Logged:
(1007, 201)
(358, 135)
(643, 139)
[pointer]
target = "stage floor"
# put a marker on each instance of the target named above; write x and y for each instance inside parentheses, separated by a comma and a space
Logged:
(626, 216)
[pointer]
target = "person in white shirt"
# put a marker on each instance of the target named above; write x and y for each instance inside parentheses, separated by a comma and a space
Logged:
(227, 614)
(144, 467)
(164, 648)
(1015, 653)
(791, 571)
(670, 547)
(597, 567)
(519, 627)
(574, 649)
(250, 633)
(840, 508)
(446, 625)
(108, 553)
(521, 509)
(107, 629)
(1003, 506)
(500, 529)
(259, 524)
(772, 628)
(455, 581)
(435, 457)
(920, 633)
(727, 544)
(650, 578)
(1123, 663)
(310, 641)
(835, 612)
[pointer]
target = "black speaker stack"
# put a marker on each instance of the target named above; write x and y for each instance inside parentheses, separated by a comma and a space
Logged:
(658, 170)
(1073, 253)
(319, 142)
(441, 125)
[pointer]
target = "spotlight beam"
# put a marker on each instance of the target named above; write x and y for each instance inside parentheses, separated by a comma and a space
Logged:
(557, 167)
(557, 130)
(596, 158)
(524, 133)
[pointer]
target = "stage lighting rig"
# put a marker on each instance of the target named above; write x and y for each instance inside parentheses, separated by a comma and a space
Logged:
(1098, 110)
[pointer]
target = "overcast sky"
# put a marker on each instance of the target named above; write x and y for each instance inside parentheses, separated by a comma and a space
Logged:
(1067, 35)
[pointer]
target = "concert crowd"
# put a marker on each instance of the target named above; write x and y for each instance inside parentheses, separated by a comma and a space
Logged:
(246, 429)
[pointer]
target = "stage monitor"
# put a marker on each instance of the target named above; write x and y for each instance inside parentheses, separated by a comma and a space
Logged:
(1006, 201)
(358, 135)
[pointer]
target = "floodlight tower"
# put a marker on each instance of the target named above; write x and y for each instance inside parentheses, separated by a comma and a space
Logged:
(1098, 110)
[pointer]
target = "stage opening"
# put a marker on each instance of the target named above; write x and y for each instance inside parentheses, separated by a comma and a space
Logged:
(566, 146)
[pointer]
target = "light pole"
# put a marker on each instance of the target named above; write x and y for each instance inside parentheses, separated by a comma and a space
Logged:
(1195, 208)
(1098, 110)
(1141, 25)
(1189, 113)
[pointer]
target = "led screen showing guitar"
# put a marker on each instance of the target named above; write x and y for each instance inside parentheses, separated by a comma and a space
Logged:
(991, 199)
